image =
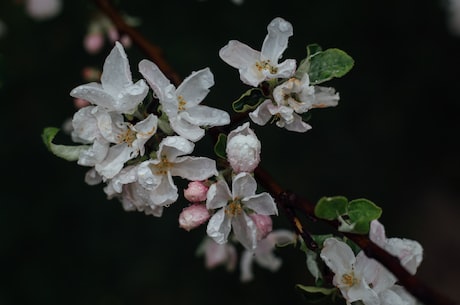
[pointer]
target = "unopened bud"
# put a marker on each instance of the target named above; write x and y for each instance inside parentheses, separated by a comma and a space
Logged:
(264, 225)
(243, 149)
(93, 42)
(193, 216)
(196, 191)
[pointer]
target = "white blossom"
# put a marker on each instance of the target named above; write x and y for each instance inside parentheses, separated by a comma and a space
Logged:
(182, 105)
(263, 255)
(349, 272)
(243, 149)
(116, 92)
(149, 186)
(234, 207)
(257, 66)
(113, 141)
(292, 98)
(218, 254)
(409, 252)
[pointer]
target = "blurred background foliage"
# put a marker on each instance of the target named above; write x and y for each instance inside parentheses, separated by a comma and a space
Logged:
(393, 139)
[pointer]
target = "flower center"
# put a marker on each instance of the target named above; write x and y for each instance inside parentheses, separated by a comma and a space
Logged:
(234, 208)
(128, 136)
(163, 167)
(265, 65)
(182, 103)
(349, 279)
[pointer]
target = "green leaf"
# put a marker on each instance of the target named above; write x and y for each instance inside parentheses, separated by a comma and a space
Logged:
(331, 207)
(361, 212)
(220, 146)
(249, 100)
(316, 294)
(304, 66)
(69, 153)
(328, 64)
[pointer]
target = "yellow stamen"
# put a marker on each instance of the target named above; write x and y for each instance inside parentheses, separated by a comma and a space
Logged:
(265, 65)
(349, 279)
(234, 208)
(128, 137)
(182, 103)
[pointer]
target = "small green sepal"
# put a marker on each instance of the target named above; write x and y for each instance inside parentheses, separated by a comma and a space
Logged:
(69, 153)
(314, 294)
(249, 100)
(220, 146)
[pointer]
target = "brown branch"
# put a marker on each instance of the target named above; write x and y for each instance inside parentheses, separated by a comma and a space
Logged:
(412, 284)
(288, 201)
(153, 52)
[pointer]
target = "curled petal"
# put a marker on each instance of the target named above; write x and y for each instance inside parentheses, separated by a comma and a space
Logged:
(276, 41)
(155, 78)
(262, 114)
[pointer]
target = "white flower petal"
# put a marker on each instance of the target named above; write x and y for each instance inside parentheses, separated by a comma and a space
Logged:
(276, 41)
(245, 230)
(165, 193)
(187, 130)
(219, 227)
(338, 256)
(116, 74)
(297, 124)
(246, 266)
(194, 168)
(174, 146)
(262, 204)
(261, 115)
(239, 55)
(195, 87)
(114, 161)
(218, 195)
(155, 78)
(243, 185)
(95, 94)
(205, 116)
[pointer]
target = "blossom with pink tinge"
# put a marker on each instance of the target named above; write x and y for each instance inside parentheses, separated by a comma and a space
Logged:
(264, 225)
(243, 149)
(193, 216)
(196, 191)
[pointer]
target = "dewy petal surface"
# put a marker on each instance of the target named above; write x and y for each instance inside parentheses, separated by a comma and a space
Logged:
(338, 256)
(174, 146)
(154, 77)
(195, 87)
(205, 116)
(239, 55)
(219, 227)
(245, 231)
(243, 185)
(194, 168)
(116, 74)
(95, 94)
(218, 195)
(262, 114)
(276, 41)
(261, 204)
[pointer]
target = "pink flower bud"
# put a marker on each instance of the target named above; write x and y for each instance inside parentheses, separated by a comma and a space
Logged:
(80, 103)
(193, 216)
(196, 191)
(93, 42)
(243, 149)
(264, 225)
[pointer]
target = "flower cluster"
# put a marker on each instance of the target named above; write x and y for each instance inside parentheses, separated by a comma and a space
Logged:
(137, 143)
(360, 278)
(291, 93)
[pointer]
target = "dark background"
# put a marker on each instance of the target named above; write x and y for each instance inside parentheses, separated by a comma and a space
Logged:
(393, 139)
